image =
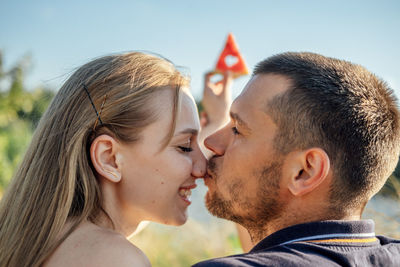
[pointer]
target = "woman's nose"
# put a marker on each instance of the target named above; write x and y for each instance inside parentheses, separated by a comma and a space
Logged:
(199, 164)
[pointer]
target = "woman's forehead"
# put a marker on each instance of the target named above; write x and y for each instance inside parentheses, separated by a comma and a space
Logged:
(187, 117)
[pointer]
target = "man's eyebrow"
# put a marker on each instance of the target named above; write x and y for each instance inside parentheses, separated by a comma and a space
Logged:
(188, 131)
(239, 120)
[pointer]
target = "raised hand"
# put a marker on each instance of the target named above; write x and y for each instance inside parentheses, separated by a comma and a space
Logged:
(217, 98)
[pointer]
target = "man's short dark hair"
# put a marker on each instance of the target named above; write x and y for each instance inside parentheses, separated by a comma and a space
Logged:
(345, 110)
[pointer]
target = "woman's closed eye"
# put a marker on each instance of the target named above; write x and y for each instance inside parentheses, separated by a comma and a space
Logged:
(185, 149)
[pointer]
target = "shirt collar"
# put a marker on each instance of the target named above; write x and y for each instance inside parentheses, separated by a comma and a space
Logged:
(317, 231)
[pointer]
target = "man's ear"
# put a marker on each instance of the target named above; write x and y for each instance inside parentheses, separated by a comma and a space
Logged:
(106, 158)
(310, 169)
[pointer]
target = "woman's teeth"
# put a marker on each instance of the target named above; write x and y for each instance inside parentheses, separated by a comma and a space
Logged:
(186, 193)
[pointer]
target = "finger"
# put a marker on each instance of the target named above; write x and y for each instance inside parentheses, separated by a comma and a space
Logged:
(217, 88)
(227, 78)
(227, 84)
(207, 84)
(207, 76)
(213, 88)
(208, 89)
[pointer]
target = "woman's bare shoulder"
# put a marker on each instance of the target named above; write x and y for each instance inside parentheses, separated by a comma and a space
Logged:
(118, 251)
(90, 245)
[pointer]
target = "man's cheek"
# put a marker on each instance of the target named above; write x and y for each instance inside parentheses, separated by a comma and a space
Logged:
(223, 187)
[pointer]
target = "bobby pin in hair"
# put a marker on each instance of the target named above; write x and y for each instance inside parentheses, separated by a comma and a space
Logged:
(101, 109)
(94, 107)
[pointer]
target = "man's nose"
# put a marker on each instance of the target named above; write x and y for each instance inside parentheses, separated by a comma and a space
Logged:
(217, 142)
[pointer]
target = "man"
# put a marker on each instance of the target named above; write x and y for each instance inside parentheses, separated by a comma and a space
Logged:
(311, 139)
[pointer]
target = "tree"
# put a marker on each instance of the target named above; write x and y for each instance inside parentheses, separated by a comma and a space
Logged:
(20, 111)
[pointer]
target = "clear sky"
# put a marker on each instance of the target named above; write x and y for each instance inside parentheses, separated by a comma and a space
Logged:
(62, 35)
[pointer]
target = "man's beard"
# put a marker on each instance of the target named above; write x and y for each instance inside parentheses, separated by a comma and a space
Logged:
(255, 212)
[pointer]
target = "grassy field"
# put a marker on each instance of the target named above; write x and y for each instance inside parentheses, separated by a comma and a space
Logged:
(188, 244)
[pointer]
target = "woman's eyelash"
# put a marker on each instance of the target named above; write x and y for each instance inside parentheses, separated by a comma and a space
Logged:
(235, 131)
(185, 149)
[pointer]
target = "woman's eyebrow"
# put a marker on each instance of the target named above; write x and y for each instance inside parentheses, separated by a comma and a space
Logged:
(189, 131)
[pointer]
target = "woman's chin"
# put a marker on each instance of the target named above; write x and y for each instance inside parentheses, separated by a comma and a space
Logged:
(175, 217)
(178, 219)
(181, 221)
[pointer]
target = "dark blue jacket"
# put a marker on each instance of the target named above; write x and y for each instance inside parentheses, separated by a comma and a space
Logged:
(325, 243)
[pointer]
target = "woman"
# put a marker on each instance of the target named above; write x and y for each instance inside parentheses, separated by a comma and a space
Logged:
(117, 145)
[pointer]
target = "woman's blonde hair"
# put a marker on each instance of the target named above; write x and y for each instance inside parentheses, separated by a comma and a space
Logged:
(56, 181)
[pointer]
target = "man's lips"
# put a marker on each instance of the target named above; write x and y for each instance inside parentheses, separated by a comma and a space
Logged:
(207, 176)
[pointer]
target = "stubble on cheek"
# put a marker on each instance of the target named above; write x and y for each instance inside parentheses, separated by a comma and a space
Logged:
(250, 209)
(216, 204)
(227, 199)
(227, 207)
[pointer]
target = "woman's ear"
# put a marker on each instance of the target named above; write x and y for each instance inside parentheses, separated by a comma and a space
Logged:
(105, 157)
(312, 168)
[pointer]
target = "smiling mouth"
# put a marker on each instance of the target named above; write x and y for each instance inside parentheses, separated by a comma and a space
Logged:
(185, 192)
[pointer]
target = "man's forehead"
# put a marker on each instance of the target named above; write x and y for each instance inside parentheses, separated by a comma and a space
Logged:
(260, 90)
(251, 105)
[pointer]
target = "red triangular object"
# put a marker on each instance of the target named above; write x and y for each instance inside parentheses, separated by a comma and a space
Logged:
(231, 59)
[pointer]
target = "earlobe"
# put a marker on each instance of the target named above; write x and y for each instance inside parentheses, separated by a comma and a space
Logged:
(313, 168)
(115, 177)
(105, 157)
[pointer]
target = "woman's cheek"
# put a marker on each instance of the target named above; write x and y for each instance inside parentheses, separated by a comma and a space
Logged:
(183, 165)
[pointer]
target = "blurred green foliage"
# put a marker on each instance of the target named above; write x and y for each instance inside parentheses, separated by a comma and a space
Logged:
(20, 111)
